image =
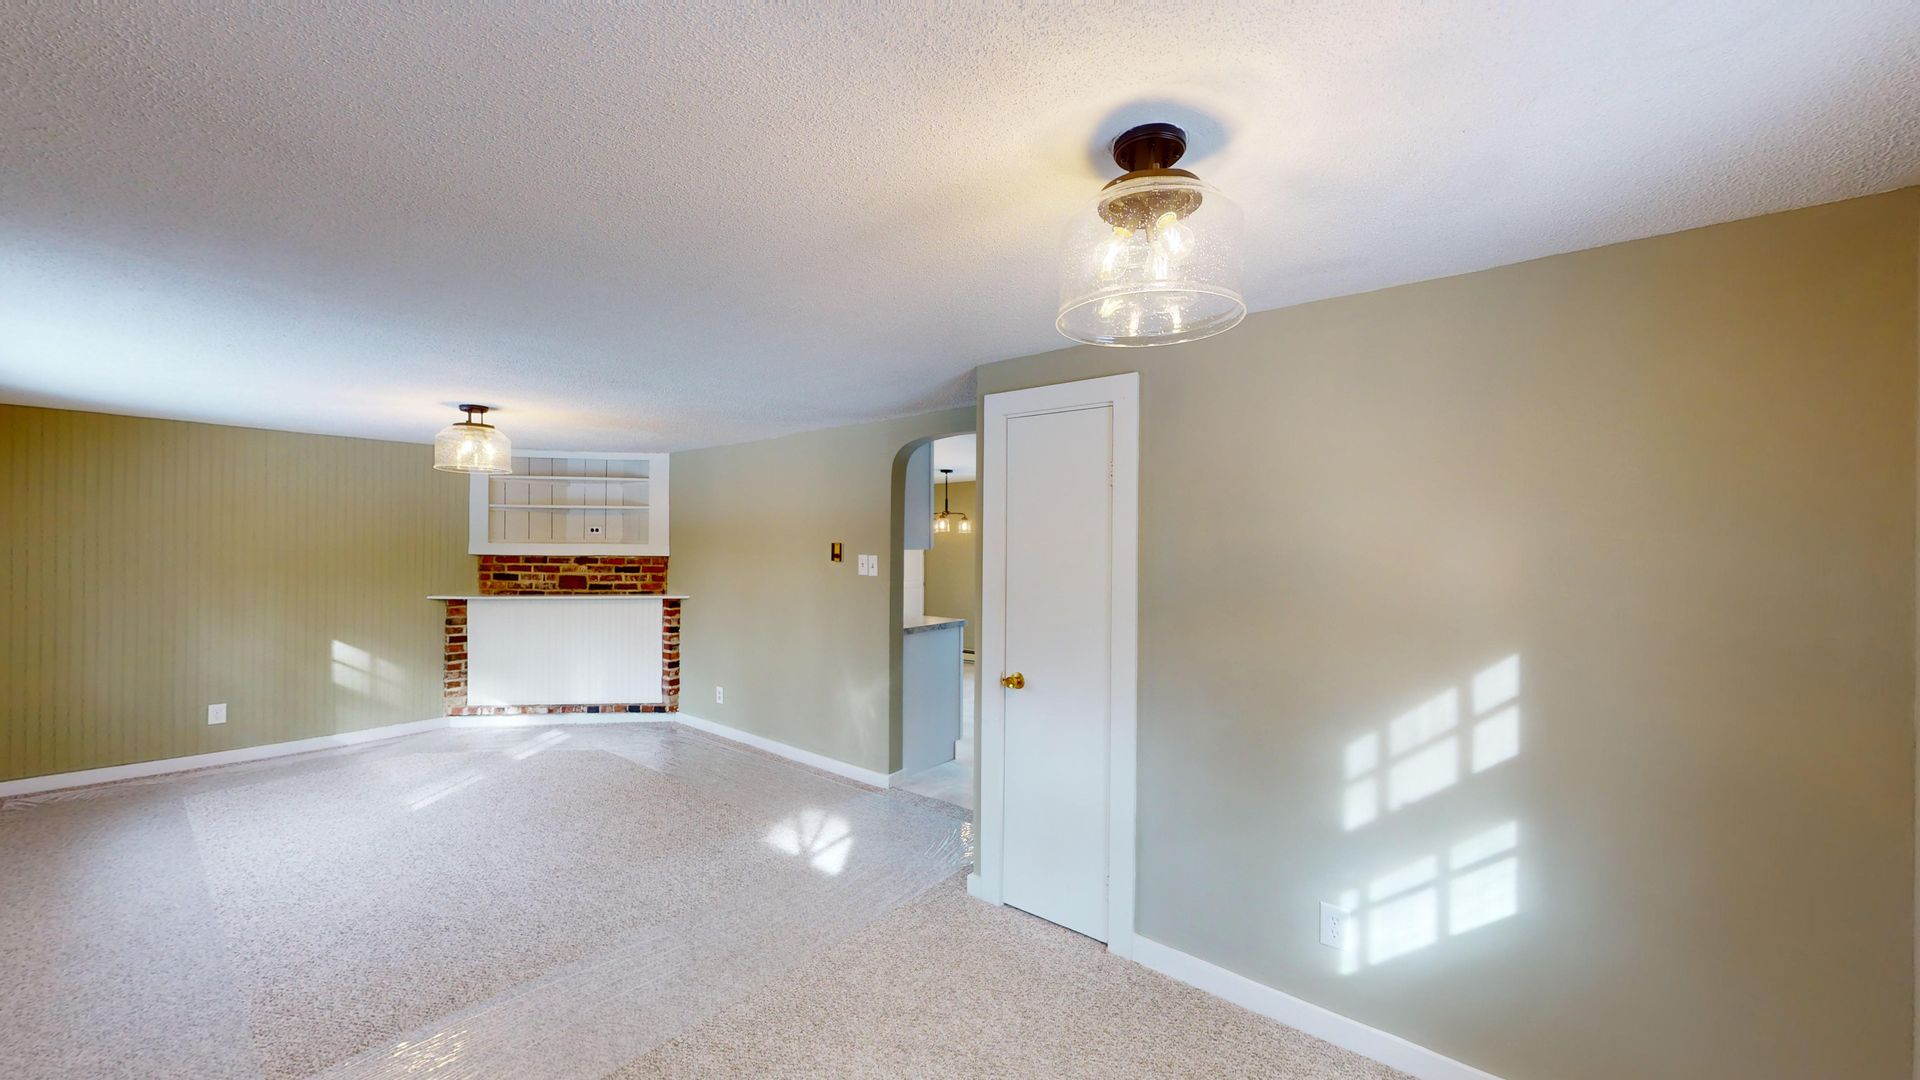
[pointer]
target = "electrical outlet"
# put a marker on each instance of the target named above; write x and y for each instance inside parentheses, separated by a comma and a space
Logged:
(595, 530)
(217, 714)
(1333, 926)
(719, 695)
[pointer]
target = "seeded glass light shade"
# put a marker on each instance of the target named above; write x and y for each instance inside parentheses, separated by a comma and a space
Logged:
(1152, 261)
(472, 446)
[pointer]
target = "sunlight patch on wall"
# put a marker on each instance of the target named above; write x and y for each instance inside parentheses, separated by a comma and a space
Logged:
(1496, 739)
(1416, 905)
(352, 668)
(1485, 886)
(1362, 802)
(1455, 734)
(1420, 753)
(358, 671)
(1402, 924)
(1497, 685)
(1427, 772)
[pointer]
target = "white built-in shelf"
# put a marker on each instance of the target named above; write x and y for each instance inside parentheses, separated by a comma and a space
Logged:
(568, 506)
(514, 513)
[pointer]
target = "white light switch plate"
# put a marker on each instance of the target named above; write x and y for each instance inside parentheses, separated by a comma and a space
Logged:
(1333, 926)
(217, 714)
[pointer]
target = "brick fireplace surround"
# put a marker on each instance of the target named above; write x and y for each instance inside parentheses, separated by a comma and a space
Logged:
(565, 575)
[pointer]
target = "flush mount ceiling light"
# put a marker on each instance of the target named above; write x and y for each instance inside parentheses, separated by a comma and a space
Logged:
(1156, 259)
(472, 445)
(949, 520)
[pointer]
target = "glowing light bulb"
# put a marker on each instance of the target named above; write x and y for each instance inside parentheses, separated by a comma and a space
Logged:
(1119, 254)
(1172, 237)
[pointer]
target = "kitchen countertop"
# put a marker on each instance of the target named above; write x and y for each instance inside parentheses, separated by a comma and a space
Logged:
(931, 622)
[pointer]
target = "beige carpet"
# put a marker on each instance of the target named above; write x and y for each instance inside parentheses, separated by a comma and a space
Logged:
(630, 900)
(946, 986)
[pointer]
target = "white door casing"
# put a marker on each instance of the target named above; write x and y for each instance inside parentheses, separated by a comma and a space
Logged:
(1072, 819)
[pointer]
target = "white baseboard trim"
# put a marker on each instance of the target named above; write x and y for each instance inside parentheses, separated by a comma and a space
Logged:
(793, 753)
(555, 719)
(34, 785)
(1341, 1031)
(977, 888)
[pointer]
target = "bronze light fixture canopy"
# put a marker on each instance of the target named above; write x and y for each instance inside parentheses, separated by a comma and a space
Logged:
(472, 445)
(1157, 261)
(948, 519)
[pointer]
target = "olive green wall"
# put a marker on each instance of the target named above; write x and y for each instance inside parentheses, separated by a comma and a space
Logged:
(953, 566)
(804, 647)
(155, 567)
(1676, 479)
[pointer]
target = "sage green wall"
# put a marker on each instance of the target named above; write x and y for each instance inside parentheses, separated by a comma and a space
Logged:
(802, 646)
(953, 566)
(156, 567)
(1676, 477)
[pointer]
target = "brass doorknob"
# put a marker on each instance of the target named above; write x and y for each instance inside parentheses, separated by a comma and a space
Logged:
(1015, 681)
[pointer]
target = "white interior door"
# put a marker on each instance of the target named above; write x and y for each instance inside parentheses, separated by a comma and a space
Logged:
(1059, 542)
(1059, 604)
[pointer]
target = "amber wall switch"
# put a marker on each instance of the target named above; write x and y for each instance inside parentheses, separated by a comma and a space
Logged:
(835, 554)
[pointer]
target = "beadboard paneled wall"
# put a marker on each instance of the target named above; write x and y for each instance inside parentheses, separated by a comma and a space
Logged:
(155, 567)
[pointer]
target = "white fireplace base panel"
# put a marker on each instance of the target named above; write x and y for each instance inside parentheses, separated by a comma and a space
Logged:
(563, 651)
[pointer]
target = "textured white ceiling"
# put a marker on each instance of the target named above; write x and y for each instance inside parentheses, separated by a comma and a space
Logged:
(642, 228)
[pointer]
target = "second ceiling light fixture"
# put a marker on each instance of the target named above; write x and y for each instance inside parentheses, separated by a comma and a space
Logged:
(948, 520)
